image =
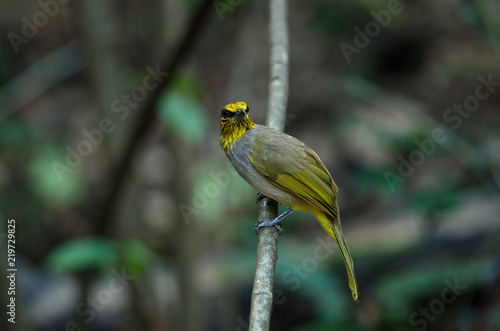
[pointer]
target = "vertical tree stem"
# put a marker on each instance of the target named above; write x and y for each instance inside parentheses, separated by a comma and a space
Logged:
(278, 78)
(267, 248)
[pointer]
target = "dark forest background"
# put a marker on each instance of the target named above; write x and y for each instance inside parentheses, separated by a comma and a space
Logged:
(128, 216)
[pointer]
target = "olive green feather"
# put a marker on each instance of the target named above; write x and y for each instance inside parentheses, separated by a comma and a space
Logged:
(294, 167)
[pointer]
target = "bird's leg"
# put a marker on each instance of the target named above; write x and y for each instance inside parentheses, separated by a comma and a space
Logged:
(275, 222)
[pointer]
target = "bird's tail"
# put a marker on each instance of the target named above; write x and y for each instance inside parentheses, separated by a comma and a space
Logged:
(332, 226)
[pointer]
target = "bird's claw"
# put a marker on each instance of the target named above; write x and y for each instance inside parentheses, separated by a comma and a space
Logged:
(266, 223)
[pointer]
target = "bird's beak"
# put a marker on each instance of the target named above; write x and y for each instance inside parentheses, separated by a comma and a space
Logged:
(240, 113)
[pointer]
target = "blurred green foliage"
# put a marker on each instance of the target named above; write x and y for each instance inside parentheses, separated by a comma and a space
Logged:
(369, 113)
(83, 254)
(55, 191)
(183, 115)
(100, 254)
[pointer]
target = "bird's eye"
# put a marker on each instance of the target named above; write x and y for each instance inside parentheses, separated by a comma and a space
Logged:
(248, 109)
(226, 113)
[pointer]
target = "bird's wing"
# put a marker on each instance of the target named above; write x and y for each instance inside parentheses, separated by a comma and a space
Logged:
(294, 167)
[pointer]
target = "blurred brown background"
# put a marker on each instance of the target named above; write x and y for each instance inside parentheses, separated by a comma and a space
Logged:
(400, 99)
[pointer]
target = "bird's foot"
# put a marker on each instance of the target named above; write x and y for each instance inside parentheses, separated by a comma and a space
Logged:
(274, 222)
(265, 223)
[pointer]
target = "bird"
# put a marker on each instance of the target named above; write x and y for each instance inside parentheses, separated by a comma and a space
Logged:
(286, 170)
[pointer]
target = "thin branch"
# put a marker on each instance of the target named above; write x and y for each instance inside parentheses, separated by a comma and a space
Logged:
(278, 78)
(267, 248)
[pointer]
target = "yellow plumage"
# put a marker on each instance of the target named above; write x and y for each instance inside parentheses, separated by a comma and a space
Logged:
(231, 131)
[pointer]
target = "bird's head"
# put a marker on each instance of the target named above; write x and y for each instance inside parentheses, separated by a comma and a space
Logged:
(234, 122)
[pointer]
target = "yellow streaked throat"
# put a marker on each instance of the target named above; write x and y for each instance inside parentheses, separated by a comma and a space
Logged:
(235, 122)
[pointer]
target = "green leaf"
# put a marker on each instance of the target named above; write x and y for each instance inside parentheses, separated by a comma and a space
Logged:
(53, 185)
(136, 257)
(82, 254)
(187, 85)
(184, 115)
